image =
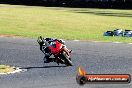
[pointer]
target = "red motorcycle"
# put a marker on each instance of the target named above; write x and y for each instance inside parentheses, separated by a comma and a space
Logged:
(58, 50)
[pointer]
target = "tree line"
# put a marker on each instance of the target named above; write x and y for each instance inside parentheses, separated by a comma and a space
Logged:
(73, 3)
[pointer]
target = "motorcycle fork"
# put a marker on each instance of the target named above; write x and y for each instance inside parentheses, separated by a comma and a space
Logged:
(65, 50)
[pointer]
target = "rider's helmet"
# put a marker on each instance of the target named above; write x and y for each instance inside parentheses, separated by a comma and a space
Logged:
(48, 39)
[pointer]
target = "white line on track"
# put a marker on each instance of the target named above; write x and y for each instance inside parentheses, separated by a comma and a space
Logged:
(17, 70)
(76, 40)
(103, 42)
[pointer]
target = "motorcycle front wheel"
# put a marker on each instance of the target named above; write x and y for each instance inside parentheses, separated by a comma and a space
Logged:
(66, 59)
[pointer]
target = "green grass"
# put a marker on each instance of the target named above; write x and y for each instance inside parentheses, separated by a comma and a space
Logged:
(6, 69)
(65, 23)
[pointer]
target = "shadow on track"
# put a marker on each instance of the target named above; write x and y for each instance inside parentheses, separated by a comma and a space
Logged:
(41, 67)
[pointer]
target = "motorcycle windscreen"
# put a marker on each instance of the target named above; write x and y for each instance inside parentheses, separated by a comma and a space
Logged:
(55, 47)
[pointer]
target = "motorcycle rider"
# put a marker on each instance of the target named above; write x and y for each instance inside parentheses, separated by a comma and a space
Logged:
(49, 42)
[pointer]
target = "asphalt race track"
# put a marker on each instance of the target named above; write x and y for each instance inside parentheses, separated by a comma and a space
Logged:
(95, 57)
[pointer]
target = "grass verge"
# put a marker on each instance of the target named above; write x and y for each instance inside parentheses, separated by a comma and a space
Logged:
(65, 23)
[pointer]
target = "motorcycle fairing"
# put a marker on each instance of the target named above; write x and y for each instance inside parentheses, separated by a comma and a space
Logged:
(55, 48)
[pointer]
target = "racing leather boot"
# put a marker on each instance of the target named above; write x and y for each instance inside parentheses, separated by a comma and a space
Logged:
(46, 59)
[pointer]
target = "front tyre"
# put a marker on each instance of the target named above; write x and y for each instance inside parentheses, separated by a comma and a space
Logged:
(66, 59)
